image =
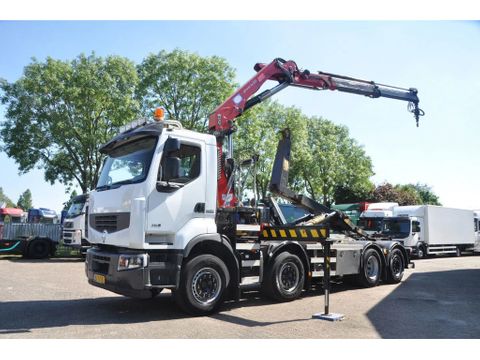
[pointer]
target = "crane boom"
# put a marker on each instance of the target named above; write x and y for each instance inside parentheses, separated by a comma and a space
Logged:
(287, 73)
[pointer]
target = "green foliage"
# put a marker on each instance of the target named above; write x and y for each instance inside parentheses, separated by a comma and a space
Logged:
(426, 194)
(60, 112)
(335, 161)
(4, 199)
(408, 194)
(25, 200)
(323, 157)
(68, 203)
(187, 85)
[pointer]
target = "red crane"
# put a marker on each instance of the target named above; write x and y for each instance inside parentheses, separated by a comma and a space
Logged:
(286, 73)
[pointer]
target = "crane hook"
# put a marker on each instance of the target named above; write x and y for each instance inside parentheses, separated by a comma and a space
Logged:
(417, 112)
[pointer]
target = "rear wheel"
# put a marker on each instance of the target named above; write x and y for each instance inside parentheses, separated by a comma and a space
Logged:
(38, 249)
(285, 278)
(396, 267)
(202, 285)
(371, 269)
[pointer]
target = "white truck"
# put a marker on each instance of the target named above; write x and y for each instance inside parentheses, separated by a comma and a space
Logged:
(75, 225)
(430, 230)
(371, 219)
(164, 213)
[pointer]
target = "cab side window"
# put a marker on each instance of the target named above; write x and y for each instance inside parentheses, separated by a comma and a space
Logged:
(415, 226)
(189, 156)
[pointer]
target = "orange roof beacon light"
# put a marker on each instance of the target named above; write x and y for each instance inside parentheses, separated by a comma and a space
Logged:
(159, 114)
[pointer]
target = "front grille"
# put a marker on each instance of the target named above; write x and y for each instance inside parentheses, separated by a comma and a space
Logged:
(100, 264)
(67, 234)
(110, 222)
(106, 222)
(68, 225)
(67, 241)
(100, 268)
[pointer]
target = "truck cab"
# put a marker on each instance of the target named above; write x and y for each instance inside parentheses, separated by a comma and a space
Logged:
(75, 226)
(476, 222)
(407, 230)
(371, 219)
(43, 216)
(154, 196)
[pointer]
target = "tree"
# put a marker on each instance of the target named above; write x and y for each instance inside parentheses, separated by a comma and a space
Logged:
(60, 112)
(68, 203)
(385, 193)
(407, 195)
(4, 199)
(187, 85)
(335, 161)
(426, 194)
(25, 200)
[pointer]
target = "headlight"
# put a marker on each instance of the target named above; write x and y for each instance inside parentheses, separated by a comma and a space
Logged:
(77, 236)
(127, 262)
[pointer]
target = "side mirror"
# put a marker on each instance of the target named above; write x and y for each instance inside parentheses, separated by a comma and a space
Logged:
(172, 144)
(172, 169)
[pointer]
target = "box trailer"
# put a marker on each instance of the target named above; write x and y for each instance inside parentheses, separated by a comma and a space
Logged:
(428, 229)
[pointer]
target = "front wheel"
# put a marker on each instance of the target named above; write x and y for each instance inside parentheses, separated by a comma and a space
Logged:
(202, 285)
(285, 278)
(421, 252)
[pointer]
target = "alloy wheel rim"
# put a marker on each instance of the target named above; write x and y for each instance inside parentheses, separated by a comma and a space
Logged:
(206, 285)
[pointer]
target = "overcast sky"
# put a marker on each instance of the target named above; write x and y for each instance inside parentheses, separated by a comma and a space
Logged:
(439, 58)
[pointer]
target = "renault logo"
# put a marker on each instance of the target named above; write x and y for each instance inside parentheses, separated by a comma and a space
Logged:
(104, 236)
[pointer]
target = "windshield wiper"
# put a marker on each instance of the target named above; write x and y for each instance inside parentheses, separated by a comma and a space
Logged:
(114, 185)
(103, 187)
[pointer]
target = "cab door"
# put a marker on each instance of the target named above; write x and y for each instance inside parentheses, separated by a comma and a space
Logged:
(175, 202)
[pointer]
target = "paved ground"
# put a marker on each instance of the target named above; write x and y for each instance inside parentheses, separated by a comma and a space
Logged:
(52, 299)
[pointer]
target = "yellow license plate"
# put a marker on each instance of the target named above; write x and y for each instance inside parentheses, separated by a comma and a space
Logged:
(99, 278)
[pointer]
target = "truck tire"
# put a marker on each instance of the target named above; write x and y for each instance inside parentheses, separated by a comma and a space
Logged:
(371, 269)
(396, 267)
(202, 285)
(38, 249)
(285, 278)
(421, 251)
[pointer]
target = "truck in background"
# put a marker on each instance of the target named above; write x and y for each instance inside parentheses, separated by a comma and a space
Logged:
(371, 219)
(476, 221)
(36, 238)
(431, 230)
(75, 225)
(353, 211)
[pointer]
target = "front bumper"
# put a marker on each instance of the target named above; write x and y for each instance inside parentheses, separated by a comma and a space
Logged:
(162, 271)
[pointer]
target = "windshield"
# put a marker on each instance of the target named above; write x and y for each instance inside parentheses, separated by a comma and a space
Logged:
(75, 209)
(292, 213)
(128, 163)
(370, 224)
(398, 228)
